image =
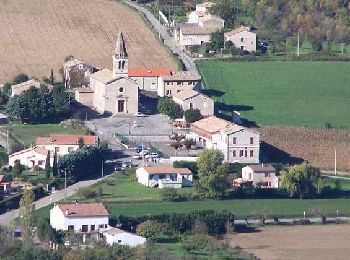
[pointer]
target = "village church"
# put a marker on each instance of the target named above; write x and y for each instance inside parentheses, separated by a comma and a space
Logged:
(112, 92)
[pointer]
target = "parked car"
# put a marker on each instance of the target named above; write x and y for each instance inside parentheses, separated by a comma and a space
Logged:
(136, 157)
(139, 114)
(143, 152)
(152, 155)
(139, 148)
(126, 165)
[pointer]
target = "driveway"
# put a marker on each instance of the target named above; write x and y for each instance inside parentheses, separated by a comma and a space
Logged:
(168, 41)
(5, 219)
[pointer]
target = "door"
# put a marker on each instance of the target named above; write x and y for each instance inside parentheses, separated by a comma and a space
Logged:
(121, 104)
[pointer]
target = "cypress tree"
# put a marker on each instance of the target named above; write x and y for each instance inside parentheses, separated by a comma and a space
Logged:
(47, 166)
(54, 166)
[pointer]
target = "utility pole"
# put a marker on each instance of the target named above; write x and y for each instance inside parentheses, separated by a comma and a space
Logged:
(298, 49)
(335, 162)
(159, 20)
(65, 184)
(7, 141)
(102, 169)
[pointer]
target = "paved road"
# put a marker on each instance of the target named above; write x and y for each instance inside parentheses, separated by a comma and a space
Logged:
(169, 41)
(5, 219)
(291, 220)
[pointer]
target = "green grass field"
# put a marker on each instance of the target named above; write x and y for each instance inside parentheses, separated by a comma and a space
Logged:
(26, 133)
(290, 93)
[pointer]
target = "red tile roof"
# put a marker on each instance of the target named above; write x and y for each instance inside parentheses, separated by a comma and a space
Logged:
(167, 169)
(237, 30)
(83, 209)
(154, 72)
(66, 139)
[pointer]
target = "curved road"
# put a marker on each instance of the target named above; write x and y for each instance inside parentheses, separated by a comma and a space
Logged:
(168, 41)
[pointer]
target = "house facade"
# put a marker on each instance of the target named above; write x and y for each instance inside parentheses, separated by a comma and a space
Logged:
(59, 144)
(79, 217)
(77, 73)
(178, 82)
(164, 176)
(121, 237)
(237, 143)
(261, 175)
(242, 38)
(191, 99)
(84, 95)
(148, 79)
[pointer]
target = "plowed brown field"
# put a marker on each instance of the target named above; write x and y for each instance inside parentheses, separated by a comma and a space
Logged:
(36, 35)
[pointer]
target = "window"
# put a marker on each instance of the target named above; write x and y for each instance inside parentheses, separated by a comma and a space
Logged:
(234, 153)
(242, 48)
(84, 228)
(178, 91)
(70, 227)
(119, 241)
(251, 153)
(242, 39)
(161, 176)
(101, 226)
(191, 105)
(70, 149)
(241, 153)
(178, 83)
(40, 162)
(251, 140)
(267, 174)
(81, 66)
(57, 149)
(92, 228)
(105, 225)
(168, 83)
(234, 140)
(121, 89)
(245, 153)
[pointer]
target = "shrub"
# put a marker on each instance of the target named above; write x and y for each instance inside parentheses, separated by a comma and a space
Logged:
(87, 193)
(151, 228)
(170, 194)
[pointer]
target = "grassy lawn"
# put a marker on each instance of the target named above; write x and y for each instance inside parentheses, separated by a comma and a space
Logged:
(240, 207)
(26, 133)
(290, 93)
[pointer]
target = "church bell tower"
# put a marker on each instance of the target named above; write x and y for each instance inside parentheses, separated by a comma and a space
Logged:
(120, 58)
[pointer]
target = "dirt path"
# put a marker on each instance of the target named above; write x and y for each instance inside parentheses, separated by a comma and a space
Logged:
(41, 33)
(297, 242)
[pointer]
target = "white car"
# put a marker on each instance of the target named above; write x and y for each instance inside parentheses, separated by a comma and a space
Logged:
(136, 157)
(143, 152)
(139, 114)
(152, 155)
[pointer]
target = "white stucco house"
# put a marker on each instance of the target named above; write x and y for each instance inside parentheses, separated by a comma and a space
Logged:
(262, 175)
(237, 143)
(121, 237)
(79, 217)
(55, 143)
(164, 176)
(242, 38)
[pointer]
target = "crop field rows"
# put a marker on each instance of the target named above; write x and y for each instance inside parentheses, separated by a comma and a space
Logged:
(41, 33)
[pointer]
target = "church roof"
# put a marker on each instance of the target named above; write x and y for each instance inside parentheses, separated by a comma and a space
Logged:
(105, 76)
(120, 48)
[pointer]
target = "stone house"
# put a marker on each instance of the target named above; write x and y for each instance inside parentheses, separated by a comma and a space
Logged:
(242, 38)
(77, 73)
(237, 143)
(80, 217)
(164, 176)
(179, 81)
(148, 79)
(24, 86)
(260, 175)
(191, 99)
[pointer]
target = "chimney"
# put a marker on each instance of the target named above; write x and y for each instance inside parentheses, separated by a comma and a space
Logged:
(67, 212)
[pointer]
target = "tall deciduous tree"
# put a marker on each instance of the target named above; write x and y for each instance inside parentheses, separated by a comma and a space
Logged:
(26, 205)
(212, 173)
(302, 180)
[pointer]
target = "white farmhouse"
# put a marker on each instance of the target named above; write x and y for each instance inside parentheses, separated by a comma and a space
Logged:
(262, 175)
(121, 237)
(55, 143)
(237, 143)
(242, 38)
(164, 176)
(79, 217)
(190, 99)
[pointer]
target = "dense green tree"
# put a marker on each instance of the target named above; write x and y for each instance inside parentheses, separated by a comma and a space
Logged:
(16, 169)
(302, 180)
(20, 78)
(168, 107)
(212, 173)
(45, 232)
(26, 206)
(60, 100)
(217, 39)
(55, 165)
(47, 166)
(151, 228)
(192, 115)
